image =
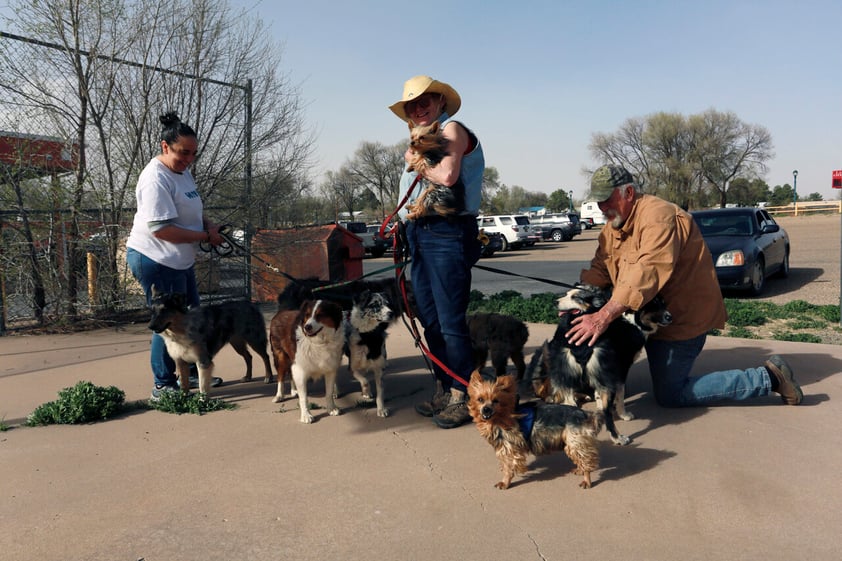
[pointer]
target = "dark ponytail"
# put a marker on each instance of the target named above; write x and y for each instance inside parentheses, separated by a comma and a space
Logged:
(172, 128)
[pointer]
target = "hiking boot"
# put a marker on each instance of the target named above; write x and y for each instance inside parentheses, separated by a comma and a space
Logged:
(789, 389)
(159, 390)
(455, 414)
(194, 382)
(439, 401)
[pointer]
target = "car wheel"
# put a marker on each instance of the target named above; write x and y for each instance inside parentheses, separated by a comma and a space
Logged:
(557, 236)
(783, 272)
(758, 277)
(505, 244)
(376, 253)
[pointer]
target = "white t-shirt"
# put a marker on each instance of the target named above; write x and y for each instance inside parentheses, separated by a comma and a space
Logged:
(163, 194)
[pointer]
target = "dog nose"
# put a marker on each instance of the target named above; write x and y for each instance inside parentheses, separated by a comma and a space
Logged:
(487, 412)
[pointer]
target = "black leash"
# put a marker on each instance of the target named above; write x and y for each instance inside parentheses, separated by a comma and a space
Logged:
(539, 279)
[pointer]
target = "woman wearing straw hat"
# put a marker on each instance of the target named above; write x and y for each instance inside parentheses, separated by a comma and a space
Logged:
(443, 248)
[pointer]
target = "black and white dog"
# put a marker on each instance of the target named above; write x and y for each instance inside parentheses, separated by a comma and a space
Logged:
(559, 370)
(365, 341)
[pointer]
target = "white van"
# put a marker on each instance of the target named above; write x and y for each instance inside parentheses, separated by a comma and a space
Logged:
(590, 211)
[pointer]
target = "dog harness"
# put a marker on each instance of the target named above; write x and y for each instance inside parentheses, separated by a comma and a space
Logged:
(527, 419)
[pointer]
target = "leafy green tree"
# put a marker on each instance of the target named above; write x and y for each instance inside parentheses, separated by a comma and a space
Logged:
(781, 195)
(558, 201)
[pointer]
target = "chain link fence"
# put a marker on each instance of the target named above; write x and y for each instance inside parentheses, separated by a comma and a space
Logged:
(76, 129)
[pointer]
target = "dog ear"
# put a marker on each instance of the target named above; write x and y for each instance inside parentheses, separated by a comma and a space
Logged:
(506, 383)
(434, 128)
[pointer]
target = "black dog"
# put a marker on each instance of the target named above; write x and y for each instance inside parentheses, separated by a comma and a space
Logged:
(197, 335)
(500, 335)
(559, 370)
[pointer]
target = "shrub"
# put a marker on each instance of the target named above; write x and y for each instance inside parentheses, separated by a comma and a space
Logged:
(179, 402)
(83, 403)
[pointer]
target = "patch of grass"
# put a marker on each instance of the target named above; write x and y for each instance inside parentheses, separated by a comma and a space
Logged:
(806, 323)
(796, 337)
(742, 313)
(82, 403)
(179, 402)
(741, 333)
(3, 426)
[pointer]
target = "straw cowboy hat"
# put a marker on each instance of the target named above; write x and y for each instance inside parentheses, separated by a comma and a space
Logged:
(418, 85)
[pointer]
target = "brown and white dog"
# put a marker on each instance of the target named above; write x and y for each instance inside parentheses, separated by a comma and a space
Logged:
(308, 343)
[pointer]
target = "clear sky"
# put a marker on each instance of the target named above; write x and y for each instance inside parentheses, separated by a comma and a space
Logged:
(538, 78)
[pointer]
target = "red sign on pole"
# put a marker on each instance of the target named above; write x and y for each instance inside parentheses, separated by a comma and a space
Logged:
(837, 179)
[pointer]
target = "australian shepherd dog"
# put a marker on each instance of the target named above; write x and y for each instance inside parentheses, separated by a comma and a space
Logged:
(196, 335)
(560, 371)
(515, 431)
(365, 342)
(501, 336)
(308, 344)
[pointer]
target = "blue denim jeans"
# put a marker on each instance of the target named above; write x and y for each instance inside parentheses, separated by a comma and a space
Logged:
(670, 363)
(443, 252)
(148, 272)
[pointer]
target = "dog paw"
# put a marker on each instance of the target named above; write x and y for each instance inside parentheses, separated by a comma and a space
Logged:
(502, 485)
(267, 379)
(245, 379)
(306, 418)
(383, 412)
(626, 416)
(585, 484)
(278, 398)
(621, 440)
(334, 412)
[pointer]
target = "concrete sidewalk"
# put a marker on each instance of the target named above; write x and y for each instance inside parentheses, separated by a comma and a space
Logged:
(738, 482)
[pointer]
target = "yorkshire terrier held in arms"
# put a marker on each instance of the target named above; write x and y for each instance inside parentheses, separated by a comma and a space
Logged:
(429, 146)
(536, 428)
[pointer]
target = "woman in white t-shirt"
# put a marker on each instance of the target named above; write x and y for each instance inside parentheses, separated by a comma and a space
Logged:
(168, 224)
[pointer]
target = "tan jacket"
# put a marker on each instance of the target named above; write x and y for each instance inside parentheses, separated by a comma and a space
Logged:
(660, 249)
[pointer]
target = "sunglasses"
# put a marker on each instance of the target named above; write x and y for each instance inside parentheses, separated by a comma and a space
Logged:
(422, 102)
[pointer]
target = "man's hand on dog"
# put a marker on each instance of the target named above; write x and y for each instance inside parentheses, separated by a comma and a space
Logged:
(587, 328)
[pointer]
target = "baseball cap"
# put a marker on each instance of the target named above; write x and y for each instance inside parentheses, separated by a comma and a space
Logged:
(605, 179)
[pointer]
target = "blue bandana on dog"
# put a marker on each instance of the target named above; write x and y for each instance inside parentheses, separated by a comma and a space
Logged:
(527, 421)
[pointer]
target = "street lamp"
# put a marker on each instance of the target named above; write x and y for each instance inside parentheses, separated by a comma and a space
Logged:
(570, 196)
(794, 189)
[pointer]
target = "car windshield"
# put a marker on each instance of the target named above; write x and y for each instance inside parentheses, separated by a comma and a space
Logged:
(725, 225)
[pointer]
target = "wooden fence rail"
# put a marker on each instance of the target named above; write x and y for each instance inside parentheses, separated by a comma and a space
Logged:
(801, 208)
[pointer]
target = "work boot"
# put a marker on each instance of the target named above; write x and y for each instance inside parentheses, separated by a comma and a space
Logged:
(455, 414)
(789, 389)
(439, 401)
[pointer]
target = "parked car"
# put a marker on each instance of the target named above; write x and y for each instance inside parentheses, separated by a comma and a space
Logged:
(514, 227)
(493, 245)
(559, 227)
(747, 246)
(378, 241)
(375, 245)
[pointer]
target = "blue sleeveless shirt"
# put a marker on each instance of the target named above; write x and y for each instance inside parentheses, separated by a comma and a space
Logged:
(470, 173)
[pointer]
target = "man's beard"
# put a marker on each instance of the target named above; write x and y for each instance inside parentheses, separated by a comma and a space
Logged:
(616, 220)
